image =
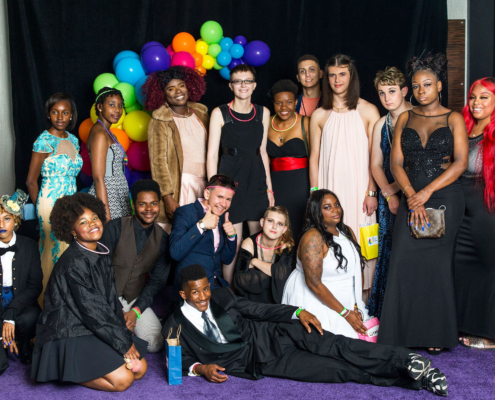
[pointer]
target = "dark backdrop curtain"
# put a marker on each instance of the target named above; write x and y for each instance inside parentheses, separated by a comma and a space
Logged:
(61, 45)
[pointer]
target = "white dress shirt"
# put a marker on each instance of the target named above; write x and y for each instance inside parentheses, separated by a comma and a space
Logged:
(6, 261)
(195, 318)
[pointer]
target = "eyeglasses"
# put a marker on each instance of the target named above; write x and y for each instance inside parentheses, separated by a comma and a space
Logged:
(224, 180)
(239, 82)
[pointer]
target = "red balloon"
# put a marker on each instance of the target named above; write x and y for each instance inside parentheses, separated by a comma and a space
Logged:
(86, 168)
(138, 156)
(183, 58)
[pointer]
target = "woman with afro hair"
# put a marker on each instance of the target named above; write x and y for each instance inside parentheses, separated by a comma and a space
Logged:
(177, 136)
(81, 336)
(429, 154)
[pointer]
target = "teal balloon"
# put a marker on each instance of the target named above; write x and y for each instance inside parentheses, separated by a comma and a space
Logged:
(226, 43)
(236, 51)
(211, 32)
(214, 50)
(124, 54)
(128, 94)
(129, 70)
(225, 73)
(137, 90)
(224, 58)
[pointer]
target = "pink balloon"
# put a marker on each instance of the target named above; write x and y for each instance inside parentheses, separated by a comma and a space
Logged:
(170, 50)
(183, 58)
(138, 156)
(86, 168)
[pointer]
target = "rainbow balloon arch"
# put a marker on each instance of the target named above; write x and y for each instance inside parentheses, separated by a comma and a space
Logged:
(211, 51)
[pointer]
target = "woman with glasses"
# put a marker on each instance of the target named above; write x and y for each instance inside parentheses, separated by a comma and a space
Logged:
(239, 130)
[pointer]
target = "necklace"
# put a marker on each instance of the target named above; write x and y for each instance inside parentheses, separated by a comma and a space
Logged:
(92, 251)
(180, 115)
(242, 120)
(390, 128)
(112, 136)
(266, 248)
(338, 109)
(284, 130)
(261, 252)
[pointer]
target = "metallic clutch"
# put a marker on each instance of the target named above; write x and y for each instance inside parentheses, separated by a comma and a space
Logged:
(437, 225)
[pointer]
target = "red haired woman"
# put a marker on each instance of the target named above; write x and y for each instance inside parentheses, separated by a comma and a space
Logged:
(177, 137)
(475, 253)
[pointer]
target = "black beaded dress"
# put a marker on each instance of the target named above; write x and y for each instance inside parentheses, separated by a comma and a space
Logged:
(419, 306)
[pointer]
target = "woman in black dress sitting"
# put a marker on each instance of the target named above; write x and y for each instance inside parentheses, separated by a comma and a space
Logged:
(81, 335)
(266, 259)
(429, 154)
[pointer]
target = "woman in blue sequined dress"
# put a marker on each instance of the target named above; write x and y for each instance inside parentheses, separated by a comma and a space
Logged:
(56, 157)
(392, 90)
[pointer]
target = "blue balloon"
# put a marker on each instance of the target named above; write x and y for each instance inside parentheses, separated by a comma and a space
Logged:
(240, 40)
(155, 58)
(236, 51)
(224, 58)
(234, 63)
(149, 44)
(129, 70)
(124, 54)
(226, 43)
(256, 53)
(85, 190)
(225, 73)
(137, 89)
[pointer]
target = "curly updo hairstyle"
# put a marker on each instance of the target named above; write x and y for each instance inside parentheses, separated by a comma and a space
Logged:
(153, 88)
(103, 93)
(67, 211)
(284, 85)
(435, 63)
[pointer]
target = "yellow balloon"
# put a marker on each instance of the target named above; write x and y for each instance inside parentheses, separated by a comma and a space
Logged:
(208, 62)
(121, 127)
(94, 117)
(136, 125)
(201, 47)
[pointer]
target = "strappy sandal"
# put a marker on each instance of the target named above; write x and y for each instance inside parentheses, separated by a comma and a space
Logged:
(477, 343)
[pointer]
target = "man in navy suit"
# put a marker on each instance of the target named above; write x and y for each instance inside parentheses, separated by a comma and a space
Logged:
(202, 233)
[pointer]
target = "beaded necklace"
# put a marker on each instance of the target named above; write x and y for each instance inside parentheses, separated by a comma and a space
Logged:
(261, 251)
(241, 120)
(284, 130)
(258, 242)
(96, 252)
(112, 136)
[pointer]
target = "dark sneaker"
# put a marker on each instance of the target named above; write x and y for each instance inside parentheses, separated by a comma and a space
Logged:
(417, 366)
(435, 382)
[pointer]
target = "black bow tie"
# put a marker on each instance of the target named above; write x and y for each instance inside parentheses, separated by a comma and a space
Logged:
(5, 250)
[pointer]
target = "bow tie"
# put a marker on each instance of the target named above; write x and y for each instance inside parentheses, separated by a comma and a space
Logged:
(6, 250)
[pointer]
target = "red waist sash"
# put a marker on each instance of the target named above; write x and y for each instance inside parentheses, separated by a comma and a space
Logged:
(289, 163)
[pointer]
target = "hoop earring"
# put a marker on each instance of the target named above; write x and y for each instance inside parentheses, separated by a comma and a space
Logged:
(410, 100)
(440, 97)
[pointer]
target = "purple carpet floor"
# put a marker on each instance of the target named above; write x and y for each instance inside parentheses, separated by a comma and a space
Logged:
(470, 374)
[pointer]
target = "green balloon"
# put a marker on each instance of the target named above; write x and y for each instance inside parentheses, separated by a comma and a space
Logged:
(217, 66)
(135, 107)
(104, 80)
(128, 94)
(211, 32)
(214, 50)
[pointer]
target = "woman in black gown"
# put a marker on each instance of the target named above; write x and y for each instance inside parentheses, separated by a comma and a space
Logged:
(238, 131)
(475, 253)
(288, 138)
(419, 305)
(266, 259)
(81, 335)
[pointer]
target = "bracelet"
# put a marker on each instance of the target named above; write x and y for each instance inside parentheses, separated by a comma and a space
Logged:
(235, 233)
(343, 311)
(404, 190)
(270, 191)
(348, 312)
(388, 198)
(137, 312)
(194, 370)
(298, 311)
(313, 189)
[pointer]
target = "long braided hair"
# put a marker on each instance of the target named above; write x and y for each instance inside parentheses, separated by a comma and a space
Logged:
(314, 219)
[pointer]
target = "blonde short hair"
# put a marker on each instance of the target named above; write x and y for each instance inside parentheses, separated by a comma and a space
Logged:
(392, 76)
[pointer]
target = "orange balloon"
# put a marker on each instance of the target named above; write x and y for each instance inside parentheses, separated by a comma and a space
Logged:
(84, 129)
(200, 70)
(198, 59)
(121, 137)
(184, 42)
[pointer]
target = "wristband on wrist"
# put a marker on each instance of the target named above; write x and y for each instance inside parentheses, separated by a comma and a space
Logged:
(194, 370)
(270, 191)
(137, 312)
(235, 233)
(313, 189)
(342, 312)
(299, 311)
(388, 198)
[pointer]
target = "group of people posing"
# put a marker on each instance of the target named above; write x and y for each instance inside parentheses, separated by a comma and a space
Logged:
(295, 289)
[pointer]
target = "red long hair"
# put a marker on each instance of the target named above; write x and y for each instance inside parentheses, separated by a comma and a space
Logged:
(488, 169)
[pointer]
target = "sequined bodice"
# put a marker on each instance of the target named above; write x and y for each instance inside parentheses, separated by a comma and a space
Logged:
(386, 150)
(475, 157)
(438, 149)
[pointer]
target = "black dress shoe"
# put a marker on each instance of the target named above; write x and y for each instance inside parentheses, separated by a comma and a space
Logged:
(4, 362)
(25, 352)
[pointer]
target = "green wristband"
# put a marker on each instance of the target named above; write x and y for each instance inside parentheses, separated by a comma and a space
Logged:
(313, 189)
(137, 313)
(298, 311)
(235, 233)
(343, 311)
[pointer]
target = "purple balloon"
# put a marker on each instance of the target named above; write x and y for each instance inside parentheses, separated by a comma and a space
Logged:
(235, 62)
(127, 172)
(149, 44)
(86, 179)
(240, 40)
(155, 58)
(137, 176)
(256, 53)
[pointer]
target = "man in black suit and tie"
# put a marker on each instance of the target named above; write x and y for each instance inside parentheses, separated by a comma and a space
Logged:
(223, 332)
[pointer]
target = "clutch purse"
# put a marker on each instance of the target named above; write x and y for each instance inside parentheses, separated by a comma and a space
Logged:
(437, 224)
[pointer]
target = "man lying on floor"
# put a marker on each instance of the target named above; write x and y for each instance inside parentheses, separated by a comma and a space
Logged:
(225, 334)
